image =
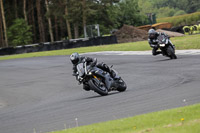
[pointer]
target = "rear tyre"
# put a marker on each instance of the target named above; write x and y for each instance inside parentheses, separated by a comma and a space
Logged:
(121, 85)
(98, 86)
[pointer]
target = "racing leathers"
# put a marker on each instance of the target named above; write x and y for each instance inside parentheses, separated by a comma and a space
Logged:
(154, 41)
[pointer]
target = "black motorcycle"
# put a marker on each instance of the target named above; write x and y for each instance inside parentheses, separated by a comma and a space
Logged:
(98, 80)
(166, 48)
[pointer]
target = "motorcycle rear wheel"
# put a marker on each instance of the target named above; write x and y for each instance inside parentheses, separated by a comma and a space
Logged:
(98, 86)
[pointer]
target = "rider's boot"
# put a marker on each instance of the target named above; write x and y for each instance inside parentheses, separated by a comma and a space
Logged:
(109, 70)
(114, 75)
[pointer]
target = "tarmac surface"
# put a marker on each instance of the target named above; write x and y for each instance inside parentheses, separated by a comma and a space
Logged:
(41, 95)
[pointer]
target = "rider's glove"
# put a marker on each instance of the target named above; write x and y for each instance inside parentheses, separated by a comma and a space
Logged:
(155, 46)
(94, 62)
(84, 60)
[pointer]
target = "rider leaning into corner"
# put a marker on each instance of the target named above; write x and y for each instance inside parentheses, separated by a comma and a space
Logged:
(76, 59)
(153, 41)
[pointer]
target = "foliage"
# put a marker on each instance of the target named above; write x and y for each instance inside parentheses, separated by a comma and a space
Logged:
(109, 14)
(19, 33)
(165, 12)
(187, 19)
(187, 5)
(129, 13)
(168, 8)
(146, 6)
(180, 12)
(102, 12)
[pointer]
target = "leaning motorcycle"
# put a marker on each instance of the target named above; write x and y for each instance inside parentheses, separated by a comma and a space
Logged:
(166, 48)
(98, 80)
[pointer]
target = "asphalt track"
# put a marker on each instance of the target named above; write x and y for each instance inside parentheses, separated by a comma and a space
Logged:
(40, 95)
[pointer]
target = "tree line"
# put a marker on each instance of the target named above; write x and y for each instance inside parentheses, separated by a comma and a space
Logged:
(33, 21)
(168, 8)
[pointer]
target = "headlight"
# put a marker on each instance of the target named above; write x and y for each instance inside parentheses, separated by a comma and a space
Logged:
(162, 45)
(89, 73)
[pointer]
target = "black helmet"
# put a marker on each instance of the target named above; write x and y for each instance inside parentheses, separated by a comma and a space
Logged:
(75, 57)
(152, 34)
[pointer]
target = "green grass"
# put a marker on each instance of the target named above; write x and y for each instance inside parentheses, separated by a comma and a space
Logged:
(179, 120)
(185, 42)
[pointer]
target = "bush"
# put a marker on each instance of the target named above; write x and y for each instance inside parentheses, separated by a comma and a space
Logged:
(19, 33)
(187, 19)
(180, 12)
(165, 12)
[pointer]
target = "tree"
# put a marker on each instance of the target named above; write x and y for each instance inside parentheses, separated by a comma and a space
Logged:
(146, 6)
(165, 12)
(129, 13)
(4, 23)
(49, 21)
(188, 6)
(1, 32)
(40, 21)
(75, 16)
(84, 16)
(25, 14)
(15, 7)
(59, 23)
(67, 20)
(19, 33)
(193, 6)
(31, 10)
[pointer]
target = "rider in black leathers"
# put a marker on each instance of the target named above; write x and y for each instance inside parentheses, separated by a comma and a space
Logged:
(76, 59)
(153, 41)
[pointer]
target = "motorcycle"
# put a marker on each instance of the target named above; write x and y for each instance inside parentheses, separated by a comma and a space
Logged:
(166, 48)
(98, 80)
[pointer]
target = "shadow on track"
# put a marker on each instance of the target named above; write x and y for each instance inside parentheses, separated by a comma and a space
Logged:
(178, 58)
(98, 96)
(167, 59)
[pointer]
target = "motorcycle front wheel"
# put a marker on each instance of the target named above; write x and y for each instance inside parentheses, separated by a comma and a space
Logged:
(98, 86)
(121, 85)
(171, 53)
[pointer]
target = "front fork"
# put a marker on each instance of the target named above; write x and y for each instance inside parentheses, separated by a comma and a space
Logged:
(170, 43)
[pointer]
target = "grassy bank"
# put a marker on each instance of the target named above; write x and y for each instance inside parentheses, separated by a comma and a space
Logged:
(180, 120)
(185, 42)
(186, 19)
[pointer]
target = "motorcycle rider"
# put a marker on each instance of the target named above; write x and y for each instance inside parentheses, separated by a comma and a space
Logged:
(153, 41)
(76, 59)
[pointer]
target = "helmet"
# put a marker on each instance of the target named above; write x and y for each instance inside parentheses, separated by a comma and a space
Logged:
(152, 34)
(75, 57)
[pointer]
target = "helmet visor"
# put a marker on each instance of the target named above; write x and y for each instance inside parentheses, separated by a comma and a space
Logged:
(75, 61)
(152, 36)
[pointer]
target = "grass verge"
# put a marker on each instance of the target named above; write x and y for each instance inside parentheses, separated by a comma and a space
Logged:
(185, 42)
(179, 120)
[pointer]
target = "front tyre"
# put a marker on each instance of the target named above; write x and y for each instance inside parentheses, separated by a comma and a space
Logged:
(98, 86)
(121, 85)
(171, 53)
